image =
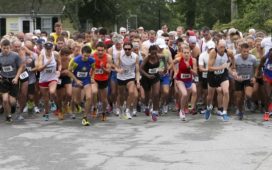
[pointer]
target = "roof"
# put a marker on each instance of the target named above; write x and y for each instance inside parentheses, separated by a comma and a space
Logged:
(41, 7)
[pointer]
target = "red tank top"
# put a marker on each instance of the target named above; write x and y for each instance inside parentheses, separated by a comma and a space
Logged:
(99, 73)
(184, 74)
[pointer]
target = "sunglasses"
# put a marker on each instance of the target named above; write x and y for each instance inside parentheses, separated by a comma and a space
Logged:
(127, 49)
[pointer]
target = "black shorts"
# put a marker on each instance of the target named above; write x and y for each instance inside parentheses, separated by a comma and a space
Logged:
(204, 83)
(240, 86)
(6, 86)
(260, 81)
(147, 83)
(124, 82)
(31, 89)
(216, 80)
(63, 81)
(102, 84)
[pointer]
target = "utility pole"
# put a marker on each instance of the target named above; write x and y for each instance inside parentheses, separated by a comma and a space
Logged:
(234, 9)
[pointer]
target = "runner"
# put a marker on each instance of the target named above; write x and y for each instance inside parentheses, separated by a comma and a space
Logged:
(103, 63)
(49, 65)
(245, 66)
(184, 78)
(218, 65)
(127, 73)
(11, 68)
(58, 31)
(151, 81)
(82, 69)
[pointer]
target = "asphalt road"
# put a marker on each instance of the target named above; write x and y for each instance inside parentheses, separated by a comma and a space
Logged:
(137, 144)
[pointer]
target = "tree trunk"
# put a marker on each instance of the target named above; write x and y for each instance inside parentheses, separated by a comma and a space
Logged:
(234, 9)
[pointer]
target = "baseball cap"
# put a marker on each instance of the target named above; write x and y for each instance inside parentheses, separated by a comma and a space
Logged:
(210, 45)
(161, 43)
(192, 39)
(48, 45)
(141, 28)
(40, 41)
(122, 29)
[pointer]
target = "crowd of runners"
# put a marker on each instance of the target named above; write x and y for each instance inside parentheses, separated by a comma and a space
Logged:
(125, 73)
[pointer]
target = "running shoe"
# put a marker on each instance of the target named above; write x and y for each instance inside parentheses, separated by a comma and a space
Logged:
(53, 107)
(78, 108)
(61, 116)
(182, 115)
(85, 121)
(225, 117)
(9, 119)
(20, 117)
(165, 109)
(36, 110)
(207, 114)
(241, 115)
(147, 111)
(154, 116)
(25, 109)
(128, 114)
(193, 111)
(46, 117)
(103, 117)
(266, 116)
(117, 111)
(73, 116)
(134, 113)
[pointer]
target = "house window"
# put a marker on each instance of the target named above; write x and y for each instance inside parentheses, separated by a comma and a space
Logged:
(26, 26)
(46, 25)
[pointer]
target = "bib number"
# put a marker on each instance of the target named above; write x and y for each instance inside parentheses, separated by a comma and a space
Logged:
(59, 82)
(99, 71)
(196, 79)
(82, 74)
(245, 77)
(153, 71)
(49, 70)
(218, 72)
(24, 75)
(269, 66)
(185, 76)
(7, 69)
(205, 75)
(28, 69)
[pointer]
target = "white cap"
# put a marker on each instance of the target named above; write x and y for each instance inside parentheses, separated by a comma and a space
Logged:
(192, 39)
(37, 31)
(141, 28)
(93, 29)
(232, 30)
(161, 43)
(252, 31)
(210, 45)
(122, 29)
(159, 33)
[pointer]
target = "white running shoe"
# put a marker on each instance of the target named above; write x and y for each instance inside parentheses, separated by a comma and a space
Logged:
(134, 113)
(128, 114)
(182, 115)
(25, 109)
(36, 109)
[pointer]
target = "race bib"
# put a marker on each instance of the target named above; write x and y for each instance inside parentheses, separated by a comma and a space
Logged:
(49, 70)
(99, 71)
(196, 79)
(269, 66)
(59, 81)
(153, 71)
(205, 75)
(24, 75)
(7, 69)
(185, 76)
(218, 72)
(82, 74)
(245, 77)
(28, 69)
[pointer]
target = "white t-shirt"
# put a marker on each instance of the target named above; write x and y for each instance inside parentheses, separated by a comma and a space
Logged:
(203, 61)
(266, 44)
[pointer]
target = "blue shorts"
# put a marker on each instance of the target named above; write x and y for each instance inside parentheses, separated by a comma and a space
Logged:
(188, 85)
(165, 80)
(113, 76)
(84, 82)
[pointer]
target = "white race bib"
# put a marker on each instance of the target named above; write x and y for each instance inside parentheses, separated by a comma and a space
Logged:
(153, 70)
(245, 77)
(196, 79)
(48, 70)
(185, 76)
(7, 69)
(24, 75)
(269, 66)
(82, 74)
(205, 75)
(218, 72)
(28, 69)
(59, 81)
(99, 71)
